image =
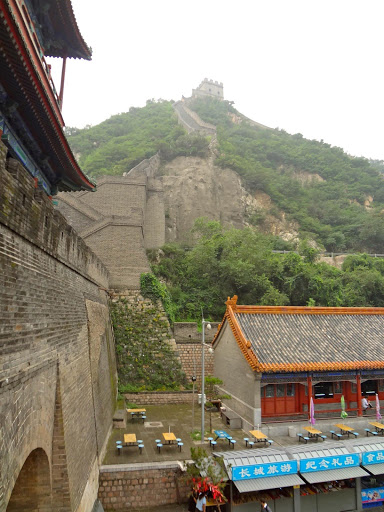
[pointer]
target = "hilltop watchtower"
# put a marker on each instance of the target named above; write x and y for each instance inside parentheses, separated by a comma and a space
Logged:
(209, 88)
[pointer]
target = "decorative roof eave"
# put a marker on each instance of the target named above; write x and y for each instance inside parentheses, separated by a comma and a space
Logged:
(244, 345)
(64, 16)
(305, 310)
(39, 106)
(319, 367)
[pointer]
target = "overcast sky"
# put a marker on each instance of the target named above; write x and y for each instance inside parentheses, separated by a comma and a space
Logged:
(311, 66)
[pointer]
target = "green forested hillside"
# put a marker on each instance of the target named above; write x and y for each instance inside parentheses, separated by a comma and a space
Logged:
(336, 199)
(335, 208)
(118, 144)
(222, 263)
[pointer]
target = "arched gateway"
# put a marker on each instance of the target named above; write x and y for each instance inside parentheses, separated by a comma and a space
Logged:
(32, 490)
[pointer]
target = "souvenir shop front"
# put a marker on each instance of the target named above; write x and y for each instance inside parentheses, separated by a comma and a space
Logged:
(332, 476)
(335, 477)
(372, 460)
(261, 474)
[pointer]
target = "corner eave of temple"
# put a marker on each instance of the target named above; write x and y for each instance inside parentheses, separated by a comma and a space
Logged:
(27, 85)
(246, 346)
(63, 19)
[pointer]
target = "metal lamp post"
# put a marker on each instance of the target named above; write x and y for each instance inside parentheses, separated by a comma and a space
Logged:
(203, 323)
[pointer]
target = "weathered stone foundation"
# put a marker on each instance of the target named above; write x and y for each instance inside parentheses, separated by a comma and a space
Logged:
(127, 487)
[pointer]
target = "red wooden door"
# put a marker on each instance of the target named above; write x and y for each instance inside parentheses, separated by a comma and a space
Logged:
(279, 399)
(268, 403)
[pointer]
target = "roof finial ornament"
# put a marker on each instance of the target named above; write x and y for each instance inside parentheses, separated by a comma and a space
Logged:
(232, 302)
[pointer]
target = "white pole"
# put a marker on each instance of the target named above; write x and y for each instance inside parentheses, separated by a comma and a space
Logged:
(202, 382)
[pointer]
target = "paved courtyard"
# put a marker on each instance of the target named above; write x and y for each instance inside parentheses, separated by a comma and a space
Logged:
(179, 420)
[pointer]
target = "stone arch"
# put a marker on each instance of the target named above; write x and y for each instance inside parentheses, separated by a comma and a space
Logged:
(32, 490)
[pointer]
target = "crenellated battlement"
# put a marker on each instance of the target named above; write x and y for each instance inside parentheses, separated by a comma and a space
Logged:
(30, 213)
(212, 82)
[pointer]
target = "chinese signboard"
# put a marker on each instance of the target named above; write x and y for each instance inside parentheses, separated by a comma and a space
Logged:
(263, 470)
(333, 462)
(376, 457)
(372, 495)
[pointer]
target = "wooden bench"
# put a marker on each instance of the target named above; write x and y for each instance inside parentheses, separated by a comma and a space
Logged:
(231, 418)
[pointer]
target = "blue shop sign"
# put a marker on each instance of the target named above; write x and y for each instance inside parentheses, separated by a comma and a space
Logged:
(373, 494)
(375, 457)
(333, 462)
(286, 467)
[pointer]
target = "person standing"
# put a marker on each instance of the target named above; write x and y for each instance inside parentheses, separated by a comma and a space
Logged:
(201, 502)
(265, 507)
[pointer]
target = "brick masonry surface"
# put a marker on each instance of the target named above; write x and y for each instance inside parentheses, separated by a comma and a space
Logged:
(123, 218)
(57, 360)
(188, 343)
(190, 357)
(159, 397)
(142, 485)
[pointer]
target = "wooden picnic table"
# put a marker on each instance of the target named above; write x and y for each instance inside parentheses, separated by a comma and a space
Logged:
(137, 413)
(129, 439)
(344, 429)
(378, 426)
(259, 436)
(169, 437)
(313, 432)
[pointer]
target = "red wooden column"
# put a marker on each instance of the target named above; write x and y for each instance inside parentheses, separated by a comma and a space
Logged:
(61, 95)
(309, 384)
(358, 394)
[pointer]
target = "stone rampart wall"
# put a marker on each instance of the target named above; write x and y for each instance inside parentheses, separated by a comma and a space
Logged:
(113, 244)
(187, 331)
(57, 360)
(160, 397)
(30, 213)
(191, 121)
(209, 127)
(190, 358)
(147, 167)
(115, 194)
(123, 218)
(154, 225)
(145, 486)
(188, 342)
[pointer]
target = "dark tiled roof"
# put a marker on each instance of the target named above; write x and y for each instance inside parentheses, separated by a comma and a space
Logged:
(313, 338)
(291, 339)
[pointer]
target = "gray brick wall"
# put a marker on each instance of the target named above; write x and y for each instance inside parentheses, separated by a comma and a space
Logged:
(142, 486)
(119, 221)
(239, 380)
(56, 375)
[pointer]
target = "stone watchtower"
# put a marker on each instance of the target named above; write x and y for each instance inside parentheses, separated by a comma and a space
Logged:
(209, 88)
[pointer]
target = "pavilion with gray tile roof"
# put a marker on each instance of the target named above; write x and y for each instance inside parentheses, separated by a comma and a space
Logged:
(273, 359)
